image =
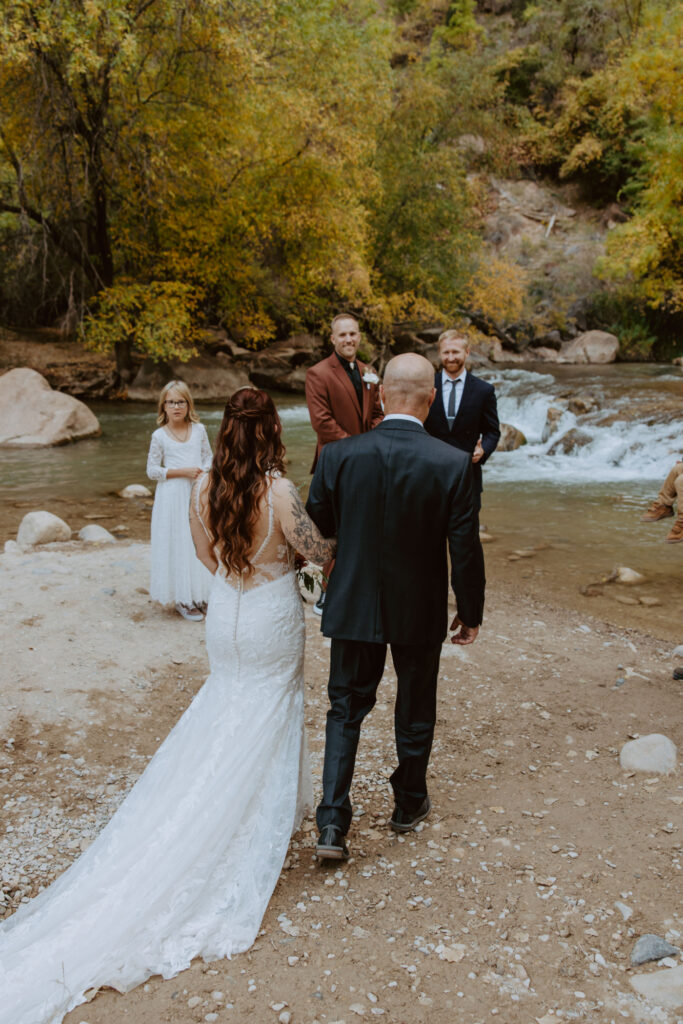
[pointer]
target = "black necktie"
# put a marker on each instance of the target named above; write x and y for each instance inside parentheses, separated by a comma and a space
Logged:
(354, 374)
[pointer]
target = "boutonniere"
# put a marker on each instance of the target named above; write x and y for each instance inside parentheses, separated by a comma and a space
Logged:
(370, 378)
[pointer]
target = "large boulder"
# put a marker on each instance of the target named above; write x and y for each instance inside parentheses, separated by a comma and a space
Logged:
(590, 347)
(544, 354)
(498, 354)
(280, 380)
(41, 528)
(33, 415)
(208, 378)
(282, 366)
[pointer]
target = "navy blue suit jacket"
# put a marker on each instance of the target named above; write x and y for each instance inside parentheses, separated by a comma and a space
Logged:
(477, 417)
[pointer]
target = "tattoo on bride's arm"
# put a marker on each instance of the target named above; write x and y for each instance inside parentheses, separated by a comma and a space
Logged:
(305, 535)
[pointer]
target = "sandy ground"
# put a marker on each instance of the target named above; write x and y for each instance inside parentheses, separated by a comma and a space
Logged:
(502, 905)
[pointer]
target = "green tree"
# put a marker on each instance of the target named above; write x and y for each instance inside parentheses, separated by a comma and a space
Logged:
(223, 151)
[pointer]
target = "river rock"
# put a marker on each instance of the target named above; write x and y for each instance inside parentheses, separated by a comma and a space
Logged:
(41, 528)
(545, 354)
(570, 442)
(590, 347)
(33, 415)
(664, 988)
(677, 652)
(135, 491)
(629, 577)
(653, 753)
(552, 418)
(580, 406)
(510, 438)
(651, 947)
(95, 534)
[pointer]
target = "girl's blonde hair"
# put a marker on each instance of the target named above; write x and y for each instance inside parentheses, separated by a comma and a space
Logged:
(181, 387)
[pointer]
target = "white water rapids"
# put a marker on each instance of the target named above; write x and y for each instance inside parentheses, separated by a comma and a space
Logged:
(625, 449)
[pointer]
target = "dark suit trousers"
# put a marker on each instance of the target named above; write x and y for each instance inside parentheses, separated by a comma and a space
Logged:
(355, 671)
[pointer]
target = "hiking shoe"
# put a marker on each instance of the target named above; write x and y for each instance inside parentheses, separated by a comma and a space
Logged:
(656, 512)
(675, 534)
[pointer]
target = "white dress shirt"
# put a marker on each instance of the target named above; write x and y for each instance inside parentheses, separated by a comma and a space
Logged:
(402, 416)
(446, 384)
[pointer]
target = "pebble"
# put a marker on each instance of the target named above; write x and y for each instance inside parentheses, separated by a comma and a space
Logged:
(285, 1017)
(211, 1017)
(677, 652)
(651, 947)
(624, 910)
(653, 753)
(193, 1001)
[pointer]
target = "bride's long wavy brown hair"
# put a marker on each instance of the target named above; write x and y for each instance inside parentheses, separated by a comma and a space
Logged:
(248, 447)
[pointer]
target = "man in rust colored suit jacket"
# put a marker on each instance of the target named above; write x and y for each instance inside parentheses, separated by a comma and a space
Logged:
(343, 399)
(341, 403)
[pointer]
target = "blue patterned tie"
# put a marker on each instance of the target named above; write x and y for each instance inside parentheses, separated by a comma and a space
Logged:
(451, 405)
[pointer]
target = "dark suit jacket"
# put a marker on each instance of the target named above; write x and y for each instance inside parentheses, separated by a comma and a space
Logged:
(477, 417)
(394, 497)
(333, 403)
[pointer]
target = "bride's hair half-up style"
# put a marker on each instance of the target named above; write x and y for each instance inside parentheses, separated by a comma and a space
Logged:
(248, 447)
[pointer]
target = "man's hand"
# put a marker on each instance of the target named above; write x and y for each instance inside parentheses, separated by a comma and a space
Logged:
(478, 453)
(467, 634)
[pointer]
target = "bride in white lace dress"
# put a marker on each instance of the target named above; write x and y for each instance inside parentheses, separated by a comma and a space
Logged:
(186, 866)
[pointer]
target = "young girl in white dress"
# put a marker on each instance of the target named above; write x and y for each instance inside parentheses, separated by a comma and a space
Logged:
(178, 454)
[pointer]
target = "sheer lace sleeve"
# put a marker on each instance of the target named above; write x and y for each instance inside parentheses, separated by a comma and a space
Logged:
(200, 534)
(206, 457)
(301, 532)
(155, 471)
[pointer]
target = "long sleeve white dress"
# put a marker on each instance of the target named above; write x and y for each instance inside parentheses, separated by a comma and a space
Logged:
(176, 574)
(188, 863)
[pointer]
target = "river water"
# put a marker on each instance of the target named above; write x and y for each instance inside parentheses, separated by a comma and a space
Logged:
(584, 503)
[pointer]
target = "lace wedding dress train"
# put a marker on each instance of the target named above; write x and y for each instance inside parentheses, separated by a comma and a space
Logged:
(186, 866)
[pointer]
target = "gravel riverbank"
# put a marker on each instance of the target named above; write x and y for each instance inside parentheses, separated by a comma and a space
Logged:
(519, 899)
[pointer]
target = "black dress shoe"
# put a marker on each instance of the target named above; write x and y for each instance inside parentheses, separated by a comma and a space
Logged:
(404, 821)
(331, 844)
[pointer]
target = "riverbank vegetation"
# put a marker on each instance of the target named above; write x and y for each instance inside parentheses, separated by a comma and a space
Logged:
(168, 164)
